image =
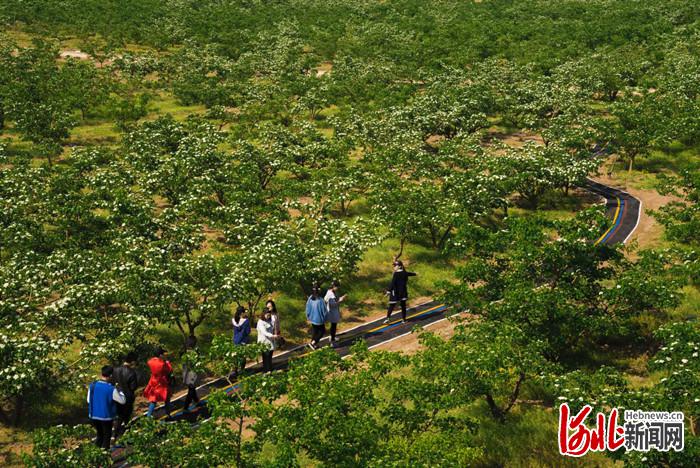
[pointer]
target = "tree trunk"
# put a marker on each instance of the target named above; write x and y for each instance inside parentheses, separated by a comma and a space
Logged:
(433, 236)
(445, 236)
(220, 197)
(612, 166)
(253, 303)
(495, 410)
(500, 413)
(398, 255)
(18, 411)
(345, 207)
(182, 330)
(4, 417)
(532, 199)
(691, 425)
(516, 392)
(239, 464)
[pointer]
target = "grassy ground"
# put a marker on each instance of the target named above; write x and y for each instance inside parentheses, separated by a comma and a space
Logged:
(528, 439)
(644, 175)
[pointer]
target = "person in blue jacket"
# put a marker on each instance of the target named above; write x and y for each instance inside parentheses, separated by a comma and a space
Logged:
(102, 399)
(241, 333)
(316, 313)
(241, 326)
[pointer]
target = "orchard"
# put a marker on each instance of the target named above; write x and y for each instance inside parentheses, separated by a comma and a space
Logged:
(171, 169)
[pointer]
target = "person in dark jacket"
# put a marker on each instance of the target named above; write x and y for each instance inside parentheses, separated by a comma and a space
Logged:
(102, 398)
(241, 333)
(241, 327)
(127, 381)
(398, 290)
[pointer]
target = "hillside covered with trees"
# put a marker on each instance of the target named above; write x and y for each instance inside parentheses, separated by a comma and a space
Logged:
(165, 161)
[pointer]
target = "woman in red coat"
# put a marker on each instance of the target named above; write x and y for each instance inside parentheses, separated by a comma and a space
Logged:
(158, 388)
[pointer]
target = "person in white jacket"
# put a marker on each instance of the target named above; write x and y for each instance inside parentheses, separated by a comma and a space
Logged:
(267, 337)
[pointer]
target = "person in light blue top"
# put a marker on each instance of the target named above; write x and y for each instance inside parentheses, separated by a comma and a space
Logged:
(316, 313)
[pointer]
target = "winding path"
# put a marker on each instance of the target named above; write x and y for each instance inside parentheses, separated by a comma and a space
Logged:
(624, 209)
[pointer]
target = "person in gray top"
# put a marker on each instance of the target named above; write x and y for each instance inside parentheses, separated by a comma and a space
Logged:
(333, 305)
(189, 376)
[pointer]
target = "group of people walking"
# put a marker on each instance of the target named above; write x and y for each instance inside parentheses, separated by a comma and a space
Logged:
(322, 310)
(268, 329)
(112, 396)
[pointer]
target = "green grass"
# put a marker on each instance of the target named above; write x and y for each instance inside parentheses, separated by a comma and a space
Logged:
(94, 133)
(528, 439)
(22, 38)
(670, 160)
(12, 443)
(635, 179)
(165, 103)
(674, 158)
(689, 308)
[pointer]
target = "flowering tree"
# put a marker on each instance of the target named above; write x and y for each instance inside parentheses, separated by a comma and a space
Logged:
(66, 445)
(490, 360)
(564, 290)
(199, 74)
(363, 426)
(676, 361)
(681, 218)
(449, 105)
(64, 300)
(533, 170)
(638, 126)
(266, 262)
(326, 248)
